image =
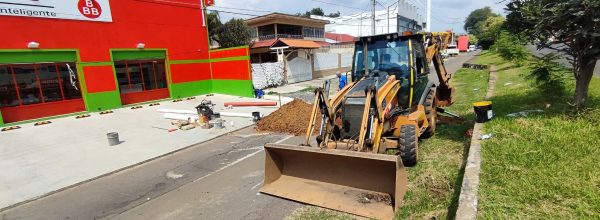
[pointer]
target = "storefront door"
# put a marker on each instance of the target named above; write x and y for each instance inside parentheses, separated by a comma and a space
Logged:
(141, 80)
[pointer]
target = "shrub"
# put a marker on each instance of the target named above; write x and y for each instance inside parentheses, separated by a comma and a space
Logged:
(510, 48)
(548, 75)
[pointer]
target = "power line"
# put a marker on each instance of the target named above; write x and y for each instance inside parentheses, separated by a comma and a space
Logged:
(329, 3)
(231, 12)
(243, 9)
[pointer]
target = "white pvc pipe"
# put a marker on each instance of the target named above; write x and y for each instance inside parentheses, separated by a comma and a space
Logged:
(276, 98)
(179, 111)
(183, 115)
(174, 116)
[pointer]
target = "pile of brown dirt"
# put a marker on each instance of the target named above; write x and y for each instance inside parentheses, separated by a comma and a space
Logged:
(291, 118)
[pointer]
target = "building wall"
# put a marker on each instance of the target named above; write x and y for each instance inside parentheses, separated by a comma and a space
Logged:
(385, 21)
(172, 32)
(231, 71)
(331, 61)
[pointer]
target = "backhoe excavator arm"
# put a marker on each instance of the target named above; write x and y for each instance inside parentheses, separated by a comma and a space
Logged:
(435, 42)
(327, 109)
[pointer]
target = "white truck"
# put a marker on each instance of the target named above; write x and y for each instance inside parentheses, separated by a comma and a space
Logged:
(452, 50)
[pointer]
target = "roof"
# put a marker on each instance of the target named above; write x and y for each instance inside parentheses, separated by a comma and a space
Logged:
(263, 43)
(296, 43)
(292, 43)
(322, 43)
(340, 38)
(281, 18)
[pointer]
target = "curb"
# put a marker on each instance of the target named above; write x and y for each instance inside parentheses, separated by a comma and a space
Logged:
(468, 200)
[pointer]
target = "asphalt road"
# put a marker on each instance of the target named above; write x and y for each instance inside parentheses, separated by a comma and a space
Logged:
(562, 60)
(218, 179)
(453, 64)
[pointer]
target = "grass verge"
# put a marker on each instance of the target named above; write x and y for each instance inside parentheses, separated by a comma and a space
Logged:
(543, 165)
(434, 184)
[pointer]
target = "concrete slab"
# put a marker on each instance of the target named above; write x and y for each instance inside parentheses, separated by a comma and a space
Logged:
(38, 160)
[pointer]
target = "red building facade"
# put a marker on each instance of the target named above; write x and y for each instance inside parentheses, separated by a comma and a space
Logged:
(143, 50)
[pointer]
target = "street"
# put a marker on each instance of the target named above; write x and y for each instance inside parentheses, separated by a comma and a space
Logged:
(562, 61)
(217, 179)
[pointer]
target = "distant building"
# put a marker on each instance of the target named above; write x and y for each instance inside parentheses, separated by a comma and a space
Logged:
(286, 32)
(397, 19)
(299, 44)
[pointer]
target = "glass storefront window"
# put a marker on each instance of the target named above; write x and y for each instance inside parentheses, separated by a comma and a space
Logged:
(25, 84)
(8, 91)
(29, 86)
(50, 83)
(141, 75)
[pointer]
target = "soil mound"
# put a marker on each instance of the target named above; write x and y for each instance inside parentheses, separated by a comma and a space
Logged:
(291, 118)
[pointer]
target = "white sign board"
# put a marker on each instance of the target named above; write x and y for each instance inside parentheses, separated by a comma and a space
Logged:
(88, 10)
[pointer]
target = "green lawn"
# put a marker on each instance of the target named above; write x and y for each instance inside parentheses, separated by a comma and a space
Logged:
(545, 165)
(435, 182)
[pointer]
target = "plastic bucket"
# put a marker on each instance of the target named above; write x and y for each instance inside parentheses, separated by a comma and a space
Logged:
(113, 138)
(483, 111)
(255, 116)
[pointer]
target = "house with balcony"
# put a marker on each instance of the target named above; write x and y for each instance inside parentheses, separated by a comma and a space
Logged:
(288, 40)
(285, 32)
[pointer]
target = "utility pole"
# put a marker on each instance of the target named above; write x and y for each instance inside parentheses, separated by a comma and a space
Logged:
(373, 18)
(428, 15)
(388, 19)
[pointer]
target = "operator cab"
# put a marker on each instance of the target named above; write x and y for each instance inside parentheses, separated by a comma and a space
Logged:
(403, 56)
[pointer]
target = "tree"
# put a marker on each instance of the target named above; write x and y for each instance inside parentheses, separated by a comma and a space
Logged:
(477, 16)
(489, 30)
(509, 47)
(334, 15)
(317, 11)
(473, 39)
(214, 26)
(568, 26)
(235, 33)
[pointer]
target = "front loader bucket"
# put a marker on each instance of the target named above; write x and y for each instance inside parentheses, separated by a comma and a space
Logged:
(365, 184)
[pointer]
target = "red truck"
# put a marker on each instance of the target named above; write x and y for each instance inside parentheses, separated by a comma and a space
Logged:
(463, 43)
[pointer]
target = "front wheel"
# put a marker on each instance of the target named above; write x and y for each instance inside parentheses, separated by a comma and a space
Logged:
(431, 113)
(408, 145)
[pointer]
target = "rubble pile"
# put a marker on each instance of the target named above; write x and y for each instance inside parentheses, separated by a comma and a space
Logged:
(291, 118)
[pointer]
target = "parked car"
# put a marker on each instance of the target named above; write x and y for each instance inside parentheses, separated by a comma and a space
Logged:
(472, 48)
(452, 50)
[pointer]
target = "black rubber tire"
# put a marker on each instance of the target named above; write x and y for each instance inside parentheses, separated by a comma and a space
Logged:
(431, 112)
(408, 145)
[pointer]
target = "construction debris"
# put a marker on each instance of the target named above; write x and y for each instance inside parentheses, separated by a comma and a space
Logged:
(486, 136)
(524, 113)
(291, 118)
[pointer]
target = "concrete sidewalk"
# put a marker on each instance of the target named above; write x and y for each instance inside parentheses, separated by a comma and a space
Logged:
(38, 160)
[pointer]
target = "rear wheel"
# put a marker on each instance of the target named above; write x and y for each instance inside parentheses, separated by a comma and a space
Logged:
(431, 112)
(408, 145)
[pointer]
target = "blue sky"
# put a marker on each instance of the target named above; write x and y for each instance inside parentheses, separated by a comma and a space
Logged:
(447, 14)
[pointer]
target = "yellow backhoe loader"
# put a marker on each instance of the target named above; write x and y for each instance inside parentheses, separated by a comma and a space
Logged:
(389, 106)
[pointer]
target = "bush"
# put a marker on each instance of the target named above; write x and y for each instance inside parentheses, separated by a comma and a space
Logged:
(548, 75)
(510, 48)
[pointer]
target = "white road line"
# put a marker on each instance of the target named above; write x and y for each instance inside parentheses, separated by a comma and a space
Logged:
(258, 184)
(240, 159)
